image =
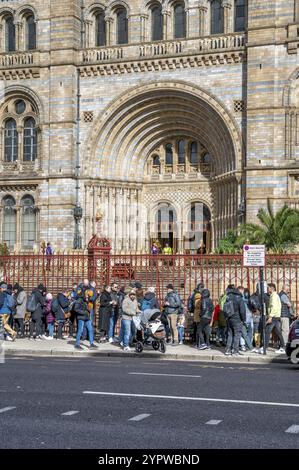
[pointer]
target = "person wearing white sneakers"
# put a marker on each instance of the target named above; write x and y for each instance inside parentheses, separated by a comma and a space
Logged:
(129, 310)
(273, 319)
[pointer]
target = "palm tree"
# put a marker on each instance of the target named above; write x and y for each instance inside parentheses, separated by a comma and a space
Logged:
(278, 232)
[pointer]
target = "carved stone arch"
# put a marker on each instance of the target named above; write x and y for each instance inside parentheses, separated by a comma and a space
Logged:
(118, 111)
(89, 12)
(20, 91)
(23, 9)
(111, 9)
(5, 11)
(288, 92)
(155, 207)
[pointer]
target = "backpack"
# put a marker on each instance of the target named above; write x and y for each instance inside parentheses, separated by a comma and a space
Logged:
(228, 308)
(11, 303)
(222, 301)
(191, 306)
(32, 303)
(146, 304)
(207, 308)
(181, 306)
(55, 306)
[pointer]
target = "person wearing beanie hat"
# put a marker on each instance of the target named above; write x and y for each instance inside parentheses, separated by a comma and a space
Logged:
(21, 302)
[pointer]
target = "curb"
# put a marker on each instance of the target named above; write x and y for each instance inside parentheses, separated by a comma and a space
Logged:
(158, 356)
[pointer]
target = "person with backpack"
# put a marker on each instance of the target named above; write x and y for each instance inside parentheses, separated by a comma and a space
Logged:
(83, 319)
(193, 306)
(235, 313)
(173, 307)
(206, 320)
(35, 305)
(21, 302)
(60, 308)
(150, 300)
(6, 310)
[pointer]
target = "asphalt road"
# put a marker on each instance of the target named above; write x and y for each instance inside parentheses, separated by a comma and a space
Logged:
(188, 405)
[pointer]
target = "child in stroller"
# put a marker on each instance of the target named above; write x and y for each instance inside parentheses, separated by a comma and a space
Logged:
(153, 329)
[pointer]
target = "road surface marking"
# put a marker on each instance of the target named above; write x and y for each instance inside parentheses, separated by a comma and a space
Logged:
(65, 360)
(171, 397)
(293, 429)
(69, 413)
(109, 362)
(8, 408)
(139, 417)
(214, 422)
(163, 375)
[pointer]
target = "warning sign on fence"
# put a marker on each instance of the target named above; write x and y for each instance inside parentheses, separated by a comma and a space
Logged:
(254, 255)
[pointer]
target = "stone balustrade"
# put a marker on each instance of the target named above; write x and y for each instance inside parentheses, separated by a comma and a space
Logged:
(209, 44)
(18, 59)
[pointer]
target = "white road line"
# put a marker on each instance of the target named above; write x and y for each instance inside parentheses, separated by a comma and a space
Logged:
(109, 362)
(163, 375)
(170, 397)
(139, 417)
(69, 413)
(293, 429)
(8, 408)
(214, 422)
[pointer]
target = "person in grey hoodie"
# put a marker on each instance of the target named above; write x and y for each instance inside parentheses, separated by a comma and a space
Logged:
(21, 301)
(129, 310)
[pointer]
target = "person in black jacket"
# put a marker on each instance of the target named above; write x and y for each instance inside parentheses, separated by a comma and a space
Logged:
(105, 311)
(37, 316)
(63, 308)
(234, 322)
(206, 320)
(83, 319)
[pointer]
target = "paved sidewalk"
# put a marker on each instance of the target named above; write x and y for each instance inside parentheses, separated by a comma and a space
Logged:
(62, 348)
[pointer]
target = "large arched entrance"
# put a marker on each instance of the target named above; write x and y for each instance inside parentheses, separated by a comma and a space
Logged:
(194, 147)
(198, 239)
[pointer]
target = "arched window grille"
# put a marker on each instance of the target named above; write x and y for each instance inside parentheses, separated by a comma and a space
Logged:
(9, 221)
(30, 33)
(100, 29)
(122, 26)
(179, 21)
(217, 20)
(240, 15)
(194, 153)
(30, 140)
(157, 23)
(10, 141)
(168, 154)
(181, 152)
(28, 229)
(10, 34)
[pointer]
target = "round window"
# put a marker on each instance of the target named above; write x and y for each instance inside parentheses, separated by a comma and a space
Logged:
(20, 107)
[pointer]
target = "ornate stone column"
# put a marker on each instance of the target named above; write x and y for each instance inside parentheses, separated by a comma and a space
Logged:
(227, 16)
(203, 18)
(88, 32)
(110, 31)
(144, 28)
(167, 27)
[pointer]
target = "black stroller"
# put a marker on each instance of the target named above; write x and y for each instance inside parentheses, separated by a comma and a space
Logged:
(149, 322)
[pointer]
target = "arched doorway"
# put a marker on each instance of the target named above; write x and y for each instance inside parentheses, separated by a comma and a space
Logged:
(165, 227)
(198, 238)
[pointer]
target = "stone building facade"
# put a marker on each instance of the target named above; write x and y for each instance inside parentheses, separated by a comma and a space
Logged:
(132, 114)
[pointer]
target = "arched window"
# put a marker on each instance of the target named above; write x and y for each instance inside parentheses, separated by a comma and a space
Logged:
(10, 141)
(10, 34)
(28, 222)
(240, 15)
(181, 152)
(9, 221)
(157, 23)
(179, 21)
(168, 154)
(194, 153)
(156, 160)
(30, 33)
(122, 26)
(100, 28)
(217, 23)
(30, 140)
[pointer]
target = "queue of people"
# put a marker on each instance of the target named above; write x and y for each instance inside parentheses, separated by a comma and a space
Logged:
(236, 318)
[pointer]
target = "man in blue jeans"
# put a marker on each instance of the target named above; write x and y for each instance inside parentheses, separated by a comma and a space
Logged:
(129, 310)
(83, 319)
